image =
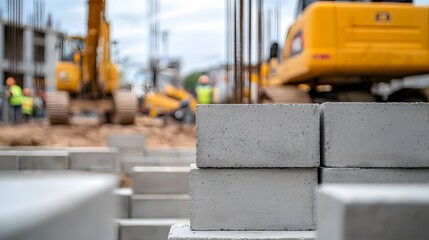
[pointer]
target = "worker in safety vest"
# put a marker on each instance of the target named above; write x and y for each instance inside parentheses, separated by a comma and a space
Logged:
(27, 105)
(204, 90)
(15, 96)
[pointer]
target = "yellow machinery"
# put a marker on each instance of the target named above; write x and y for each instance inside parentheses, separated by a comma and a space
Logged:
(339, 47)
(172, 100)
(86, 79)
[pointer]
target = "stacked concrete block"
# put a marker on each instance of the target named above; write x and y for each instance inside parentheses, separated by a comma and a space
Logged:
(124, 202)
(160, 199)
(94, 159)
(8, 161)
(43, 160)
(375, 143)
(183, 232)
(54, 205)
(129, 162)
(373, 212)
(128, 145)
(256, 173)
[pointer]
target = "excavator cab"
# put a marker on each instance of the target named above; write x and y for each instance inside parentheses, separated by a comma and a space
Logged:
(68, 70)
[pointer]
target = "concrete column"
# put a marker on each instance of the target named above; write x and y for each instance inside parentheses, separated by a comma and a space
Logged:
(51, 58)
(28, 59)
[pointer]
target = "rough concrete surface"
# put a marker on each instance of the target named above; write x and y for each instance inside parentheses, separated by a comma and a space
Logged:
(374, 175)
(105, 159)
(184, 232)
(376, 135)
(160, 180)
(254, 136)
(128, 163)
(124, 201)
(373, 212)
(252, 199)
(160, 206)
(146, 229)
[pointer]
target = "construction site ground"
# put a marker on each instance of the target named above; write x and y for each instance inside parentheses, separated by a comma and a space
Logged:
(88, 132)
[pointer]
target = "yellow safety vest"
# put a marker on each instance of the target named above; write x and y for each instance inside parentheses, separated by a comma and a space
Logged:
(16, 95)
(27, 105)
(204, 94)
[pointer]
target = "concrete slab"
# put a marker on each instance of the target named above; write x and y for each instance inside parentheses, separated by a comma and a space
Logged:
(146, 229)
(372, 212)
(258, 136)
(124, 201)
(46, 206)
(374, 175)
(184, 232)
(160, 206)
(9, 163)
(252, 199)
(94, 159)
(160, 180)
(375, 135)
(43, 160)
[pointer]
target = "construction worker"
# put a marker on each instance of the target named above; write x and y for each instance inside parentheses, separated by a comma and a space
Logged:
(204, 90)
(14, 94)
(27, 105)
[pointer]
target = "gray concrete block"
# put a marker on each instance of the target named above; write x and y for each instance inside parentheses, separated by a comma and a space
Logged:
(374, 175)
(57, 205)
(177, 152)
(44, 160)
(254, 136)
(252, 199)
(373, 212)
(160, 180)
(184, 232)
(160, 206)
(94, 159)
(126, 141)
(146, 229)
(124, 202)
(127, 162)
(9, 162)
(375, 135)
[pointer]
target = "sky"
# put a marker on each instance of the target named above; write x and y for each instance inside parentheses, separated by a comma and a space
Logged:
(196, 27)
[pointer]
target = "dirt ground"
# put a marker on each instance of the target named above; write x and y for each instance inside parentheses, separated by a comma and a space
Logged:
(87, 132)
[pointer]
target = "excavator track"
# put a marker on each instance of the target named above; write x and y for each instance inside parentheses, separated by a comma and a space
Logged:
(58, 107)
(125, 108)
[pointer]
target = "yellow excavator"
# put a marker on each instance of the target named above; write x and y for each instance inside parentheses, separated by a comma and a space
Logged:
(86, 79)
(341, 50)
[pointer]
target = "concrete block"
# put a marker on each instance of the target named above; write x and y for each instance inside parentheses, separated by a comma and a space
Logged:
(124, 202)
(177, 152)
(94, 159)
(54, 205)
(146, 229)
(184, 232)
(374, 175)
(126, 141)
(252, 199)
(373, 212)
(127, 163)
(9, 162)
(160, 206)
(43, 160)
(160, 180)
(375, 135)
(258, 136)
